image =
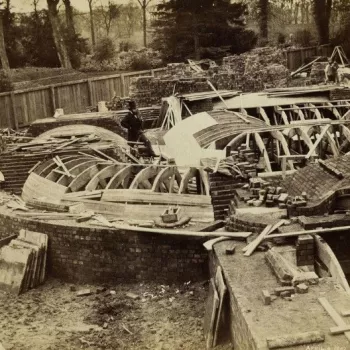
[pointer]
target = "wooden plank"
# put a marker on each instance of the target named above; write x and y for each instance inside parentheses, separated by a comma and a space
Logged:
(210, 316)
(308, 232)
(339, 329)
(250, 248)
(140, 211)
(295, 339)
(221, 287)
(37, 186)
(145, 174)
(328, 258)
(146, 197)
(208, 245)
(313, 148)
(345, 313)
(13, 110)
(83, 178)
(334, 315)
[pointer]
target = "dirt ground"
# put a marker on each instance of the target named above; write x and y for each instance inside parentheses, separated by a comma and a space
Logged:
(156, 317)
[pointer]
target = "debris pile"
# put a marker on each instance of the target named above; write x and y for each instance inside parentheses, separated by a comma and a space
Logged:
(148, 91)
(23, 262)
(258, 69)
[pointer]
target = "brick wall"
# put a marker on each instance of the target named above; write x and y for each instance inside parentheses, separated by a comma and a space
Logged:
(237, 224)
(87, 255)
(240, 333)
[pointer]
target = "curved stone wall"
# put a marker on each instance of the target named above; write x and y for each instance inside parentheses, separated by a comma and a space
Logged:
(87, 254)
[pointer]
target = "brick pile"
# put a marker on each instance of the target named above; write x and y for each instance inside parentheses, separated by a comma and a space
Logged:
(149, 91)
(222, 191)
(305, 251)
(339, 94)
(258, 69)
(252, 71)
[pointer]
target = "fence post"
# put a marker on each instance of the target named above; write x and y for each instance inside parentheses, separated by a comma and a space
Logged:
(13, 111)
(89, 86)
(122, 79)
(53, 101)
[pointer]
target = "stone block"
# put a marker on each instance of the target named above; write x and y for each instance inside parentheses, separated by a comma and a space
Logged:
(84, 293)
(280, 290)
(266, 297)
(302, 288)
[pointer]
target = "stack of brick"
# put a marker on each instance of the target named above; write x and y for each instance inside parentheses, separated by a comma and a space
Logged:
(222, 191)
(305, 252)
(260, 192)
(147, 91)
(258, 69)
(339, 94)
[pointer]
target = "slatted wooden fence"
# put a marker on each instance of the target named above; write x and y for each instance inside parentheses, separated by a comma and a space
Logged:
(296, 58)
(21, 107)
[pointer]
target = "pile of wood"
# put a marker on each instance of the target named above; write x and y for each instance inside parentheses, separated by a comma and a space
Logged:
(54, 144)
(23, 262)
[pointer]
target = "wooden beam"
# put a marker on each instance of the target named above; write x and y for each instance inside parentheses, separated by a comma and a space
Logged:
(250, 248)
(334, 315)
(120, 177)
(145, 174)
(339, 329)
(305, 338)
(308, 232)
(328, 258)
(313, 148)
(262, 148)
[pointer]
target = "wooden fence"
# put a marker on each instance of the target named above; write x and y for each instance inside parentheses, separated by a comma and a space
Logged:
(296, 58)
(22, 107)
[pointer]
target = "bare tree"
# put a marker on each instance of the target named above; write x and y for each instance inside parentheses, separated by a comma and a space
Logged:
(322, 10)
(3, 55)
(112, 12)
(57, 36)
(35, 5)
(144, 4)
(92, 24)
(69, 17)
(263, 18)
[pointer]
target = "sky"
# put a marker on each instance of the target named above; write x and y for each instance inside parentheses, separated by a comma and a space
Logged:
(81, 5)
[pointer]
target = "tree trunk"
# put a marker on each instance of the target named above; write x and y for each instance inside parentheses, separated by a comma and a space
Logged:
(56, 31)
(296, 13)
(3, 55)
(144, 23)
(307, 13)
(69, 18)
(322, 13)
(197, 52)
(92, 24)
(263, 18)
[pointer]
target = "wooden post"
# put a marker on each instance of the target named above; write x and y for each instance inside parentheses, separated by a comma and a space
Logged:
(13, 111)
(122, 78)
(89, 85)
(53, 101)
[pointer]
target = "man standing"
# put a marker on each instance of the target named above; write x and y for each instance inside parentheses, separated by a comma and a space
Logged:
(133, 122)
(331, 71)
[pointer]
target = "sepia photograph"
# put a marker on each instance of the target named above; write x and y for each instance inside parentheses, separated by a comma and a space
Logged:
(174, 174)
